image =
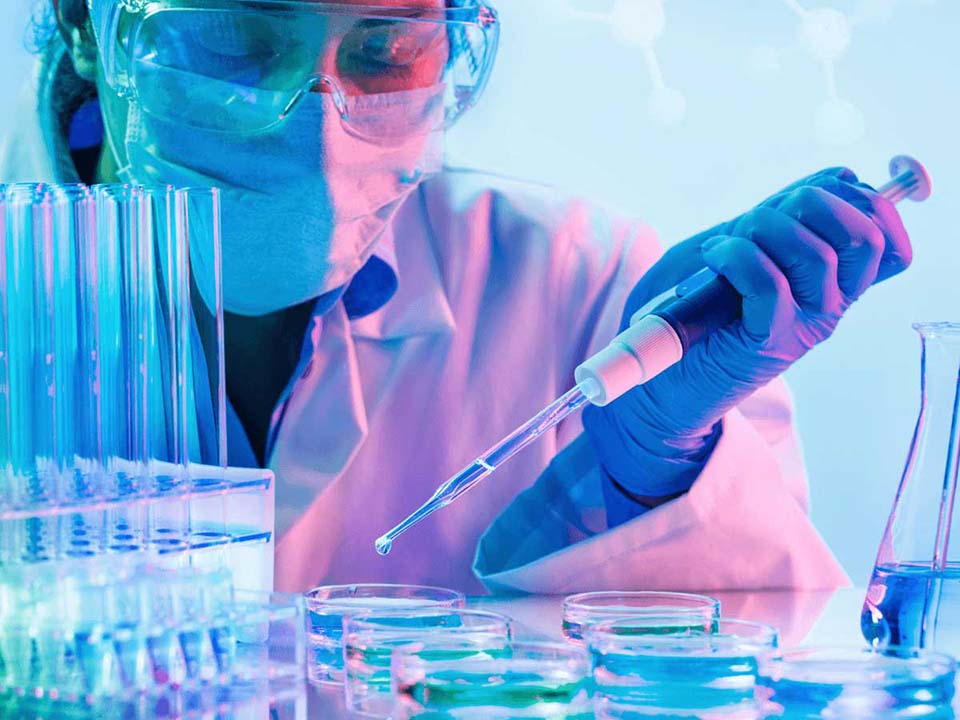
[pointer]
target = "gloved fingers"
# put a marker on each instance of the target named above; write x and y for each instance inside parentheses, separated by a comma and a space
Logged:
(897, 251)
(767, 302)
(808, 262)
(677, 264)
(857, 240)
(827, 175)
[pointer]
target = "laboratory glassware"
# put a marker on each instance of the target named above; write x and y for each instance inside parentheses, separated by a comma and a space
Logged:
(825, 682)
(673, 666)
(119, 577)
(327, 605)
(659, 335)
(914, 595)
(583, 609)
(526, 680)
(371, 636)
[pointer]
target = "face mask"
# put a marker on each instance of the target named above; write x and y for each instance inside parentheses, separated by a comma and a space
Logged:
(303, 203)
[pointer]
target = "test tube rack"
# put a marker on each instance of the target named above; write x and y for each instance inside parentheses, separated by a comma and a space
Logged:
(134, 564)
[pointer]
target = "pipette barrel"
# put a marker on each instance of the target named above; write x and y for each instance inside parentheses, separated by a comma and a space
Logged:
(663, 331)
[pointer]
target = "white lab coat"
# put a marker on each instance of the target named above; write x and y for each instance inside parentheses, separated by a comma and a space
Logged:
(503, 289)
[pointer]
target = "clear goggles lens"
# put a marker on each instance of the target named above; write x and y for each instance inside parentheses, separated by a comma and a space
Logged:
(244, 65)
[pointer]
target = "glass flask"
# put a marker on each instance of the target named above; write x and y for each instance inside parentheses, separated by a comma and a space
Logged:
(914, 594)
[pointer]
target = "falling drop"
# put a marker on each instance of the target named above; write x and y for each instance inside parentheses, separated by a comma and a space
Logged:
(383, 545)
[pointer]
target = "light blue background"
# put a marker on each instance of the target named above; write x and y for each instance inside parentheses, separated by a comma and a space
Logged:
(568, 106)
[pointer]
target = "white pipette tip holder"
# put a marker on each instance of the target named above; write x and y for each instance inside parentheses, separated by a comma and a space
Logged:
(642, 351)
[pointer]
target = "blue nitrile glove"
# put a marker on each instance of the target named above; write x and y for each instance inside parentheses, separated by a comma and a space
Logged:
(799, 259)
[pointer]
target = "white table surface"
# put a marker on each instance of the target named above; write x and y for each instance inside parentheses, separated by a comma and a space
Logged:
(803, 618)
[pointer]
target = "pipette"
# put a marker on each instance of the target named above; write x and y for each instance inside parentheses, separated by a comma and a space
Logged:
(657, 338)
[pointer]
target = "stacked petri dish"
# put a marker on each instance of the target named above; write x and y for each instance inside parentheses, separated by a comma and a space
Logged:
(583, 609)
(669, 666)
(328, 605)
(370, 639)
(855, 684)
(528, 680)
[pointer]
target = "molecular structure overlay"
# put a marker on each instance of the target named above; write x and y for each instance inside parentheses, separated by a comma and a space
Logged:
(638, 23)
(824, 34)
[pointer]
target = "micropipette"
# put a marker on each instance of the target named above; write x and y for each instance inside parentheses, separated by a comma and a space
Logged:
(657, 338)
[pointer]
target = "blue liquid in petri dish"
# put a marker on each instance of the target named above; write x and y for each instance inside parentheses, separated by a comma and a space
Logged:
(677, 684)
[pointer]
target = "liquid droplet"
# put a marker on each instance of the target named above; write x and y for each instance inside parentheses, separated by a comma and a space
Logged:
(383, 545)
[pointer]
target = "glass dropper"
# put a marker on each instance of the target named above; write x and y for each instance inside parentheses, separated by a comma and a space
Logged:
(493, 458)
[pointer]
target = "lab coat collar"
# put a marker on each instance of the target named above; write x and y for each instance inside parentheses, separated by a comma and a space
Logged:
(420, 305)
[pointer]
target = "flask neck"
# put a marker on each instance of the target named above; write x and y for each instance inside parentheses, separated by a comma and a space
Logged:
(935, 449)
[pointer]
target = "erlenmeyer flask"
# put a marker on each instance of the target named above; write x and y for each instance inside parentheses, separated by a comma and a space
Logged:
(914, 594)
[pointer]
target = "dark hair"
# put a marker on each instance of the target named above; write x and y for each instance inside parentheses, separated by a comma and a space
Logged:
(67, 90)
(42, 29)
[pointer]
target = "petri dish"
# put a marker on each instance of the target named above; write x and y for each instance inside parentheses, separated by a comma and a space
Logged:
(657, 666)
(528, 680)
(583, 609)
(885, 684)
(326, 606)
(370, 638)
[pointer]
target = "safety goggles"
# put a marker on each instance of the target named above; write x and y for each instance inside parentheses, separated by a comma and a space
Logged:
(242, 66)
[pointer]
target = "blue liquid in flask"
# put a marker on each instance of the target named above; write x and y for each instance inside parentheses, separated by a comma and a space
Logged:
(912, 605)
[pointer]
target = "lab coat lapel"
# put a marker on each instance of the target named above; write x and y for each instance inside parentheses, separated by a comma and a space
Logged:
(324, 422)
(420, 305)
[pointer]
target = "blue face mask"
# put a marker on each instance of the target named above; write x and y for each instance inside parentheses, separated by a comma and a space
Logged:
(303, 202)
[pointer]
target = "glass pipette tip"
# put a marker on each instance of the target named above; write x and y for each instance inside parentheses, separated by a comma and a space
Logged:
(549, 417)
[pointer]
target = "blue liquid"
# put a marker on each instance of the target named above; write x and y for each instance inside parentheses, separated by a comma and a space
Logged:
(676, 684)
(911, 606)
(325, 631)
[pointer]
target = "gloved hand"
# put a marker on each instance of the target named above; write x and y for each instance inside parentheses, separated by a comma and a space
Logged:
(799, 259)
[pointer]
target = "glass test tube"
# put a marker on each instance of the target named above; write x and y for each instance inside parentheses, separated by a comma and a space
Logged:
(199, 215)
(76, 415)
(31, 367)
(5, 427)
(203, 372)
(169, 522)
(20, 301)
(76, 311)
(118, 223)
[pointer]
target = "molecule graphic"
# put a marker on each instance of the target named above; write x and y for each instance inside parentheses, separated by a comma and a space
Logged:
(638, 23)
(825, 34)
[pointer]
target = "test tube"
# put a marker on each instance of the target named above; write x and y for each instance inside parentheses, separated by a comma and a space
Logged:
(83, 534)
(123, 451)
(203, 396)
(89, 616)
(47, 427)
(169, 522)
(66, 221)
(20, 302)
(5, 427)
(199, 218)
(70, 216)
(76, 313)
(127, 606)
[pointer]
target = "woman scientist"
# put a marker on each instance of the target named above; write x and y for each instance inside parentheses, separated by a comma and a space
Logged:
(388, 318)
